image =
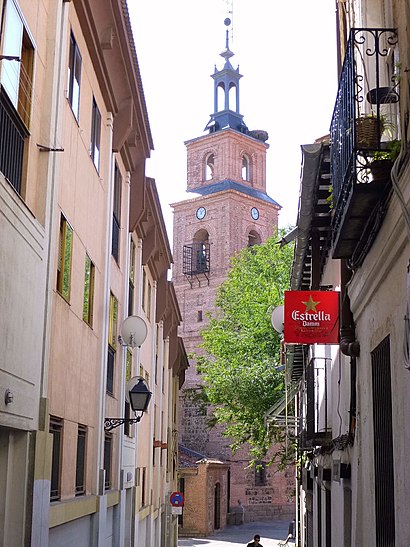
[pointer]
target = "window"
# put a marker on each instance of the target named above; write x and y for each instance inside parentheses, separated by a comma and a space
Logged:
(95, 135)
(80, 462)
(127, 407)
(113, 321)
(131, 279)
(65, 250)
(149, 300)
(260, 474)
(201, 265)
(107, 460)
(110, 370)
(74, 77)
(88, 291)
(245, 168)
(56, 429)
(199, 316)
(143, 486)
(253, 238)
(144, 290)
(112, 343)
(16, 75)
(209, 166)
(116, 214)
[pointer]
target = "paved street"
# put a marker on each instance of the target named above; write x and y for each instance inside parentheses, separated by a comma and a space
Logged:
(237, 536)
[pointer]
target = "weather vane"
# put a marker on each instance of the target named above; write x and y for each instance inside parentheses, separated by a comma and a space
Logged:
(229, 18)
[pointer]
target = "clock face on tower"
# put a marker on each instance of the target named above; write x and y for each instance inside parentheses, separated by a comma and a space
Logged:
(200, 213)
(254, 213)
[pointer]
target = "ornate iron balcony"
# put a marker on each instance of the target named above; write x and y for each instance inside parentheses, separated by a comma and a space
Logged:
(364, 129)
(196, 261)
(12, 135)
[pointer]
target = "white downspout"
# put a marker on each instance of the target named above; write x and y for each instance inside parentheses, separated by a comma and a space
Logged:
(106, 313)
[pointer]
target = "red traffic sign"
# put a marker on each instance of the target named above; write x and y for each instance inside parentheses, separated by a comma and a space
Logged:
(177, 499)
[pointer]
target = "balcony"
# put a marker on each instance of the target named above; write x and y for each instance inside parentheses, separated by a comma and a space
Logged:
(363, 132)
(12, 136)
(196, 261)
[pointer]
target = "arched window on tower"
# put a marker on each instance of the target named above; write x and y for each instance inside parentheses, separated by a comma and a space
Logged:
(245, 168)
(232, 97)
(209, 166)
(220, 97)
(254, 238)
(196, 257)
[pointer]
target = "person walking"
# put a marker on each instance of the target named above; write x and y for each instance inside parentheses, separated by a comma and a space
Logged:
(255, 542)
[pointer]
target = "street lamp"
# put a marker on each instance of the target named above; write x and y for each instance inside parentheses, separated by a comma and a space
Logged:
(133, 332)
(138, 396)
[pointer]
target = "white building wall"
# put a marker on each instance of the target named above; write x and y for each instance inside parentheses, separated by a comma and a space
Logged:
(379, 306)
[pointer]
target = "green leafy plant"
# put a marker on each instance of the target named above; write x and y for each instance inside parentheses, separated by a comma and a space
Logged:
(391, 152)
(240, 348)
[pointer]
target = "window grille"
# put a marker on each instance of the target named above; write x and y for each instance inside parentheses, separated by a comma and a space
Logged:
(383, 444)
(56, 429)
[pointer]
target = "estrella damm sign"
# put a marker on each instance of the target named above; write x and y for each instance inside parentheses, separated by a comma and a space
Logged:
(311, 317)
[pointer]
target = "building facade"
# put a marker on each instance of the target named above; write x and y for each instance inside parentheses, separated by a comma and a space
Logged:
(229, 210)
(84, 246)
(353, 216)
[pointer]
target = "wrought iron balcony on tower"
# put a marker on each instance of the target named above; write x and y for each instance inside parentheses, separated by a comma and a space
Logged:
(363, 138)
(196, 261)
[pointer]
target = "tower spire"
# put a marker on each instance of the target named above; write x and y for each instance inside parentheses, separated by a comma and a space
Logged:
(226, 86)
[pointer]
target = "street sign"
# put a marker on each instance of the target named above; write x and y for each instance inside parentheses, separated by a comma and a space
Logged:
(177, 499)
(176, 510)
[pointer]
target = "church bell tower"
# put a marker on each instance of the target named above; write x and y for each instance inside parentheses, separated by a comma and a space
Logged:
(226, 210)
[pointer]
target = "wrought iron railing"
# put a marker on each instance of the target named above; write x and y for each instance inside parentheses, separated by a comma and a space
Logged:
(365, 113)
(196, 259)
(12, 136)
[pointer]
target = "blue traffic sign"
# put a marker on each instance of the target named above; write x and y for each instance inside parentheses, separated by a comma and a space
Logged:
(177, 499)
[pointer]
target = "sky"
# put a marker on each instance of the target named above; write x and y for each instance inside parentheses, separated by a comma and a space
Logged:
(286, 52)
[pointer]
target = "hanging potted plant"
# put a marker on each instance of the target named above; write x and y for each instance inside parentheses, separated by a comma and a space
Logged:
(369, 130)
(381, 161)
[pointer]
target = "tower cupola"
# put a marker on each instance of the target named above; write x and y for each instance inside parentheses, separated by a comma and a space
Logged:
(226, 94)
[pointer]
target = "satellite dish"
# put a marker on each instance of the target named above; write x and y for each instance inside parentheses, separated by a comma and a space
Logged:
(133, 331)
(277, 319)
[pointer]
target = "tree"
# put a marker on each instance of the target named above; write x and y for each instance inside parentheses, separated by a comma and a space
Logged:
(240, 349)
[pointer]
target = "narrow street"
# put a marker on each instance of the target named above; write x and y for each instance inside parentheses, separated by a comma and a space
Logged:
(272, 533)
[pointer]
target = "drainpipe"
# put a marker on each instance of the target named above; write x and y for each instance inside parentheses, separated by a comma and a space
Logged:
(348, 343)
(106, 309)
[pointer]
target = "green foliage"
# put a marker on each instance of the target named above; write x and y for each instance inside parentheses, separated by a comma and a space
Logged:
(240, 347)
